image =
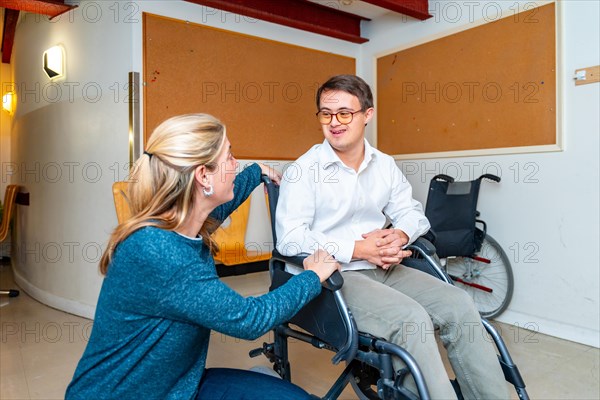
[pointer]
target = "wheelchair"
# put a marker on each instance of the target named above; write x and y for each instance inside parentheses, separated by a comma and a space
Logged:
(327, 323)
(473, 259)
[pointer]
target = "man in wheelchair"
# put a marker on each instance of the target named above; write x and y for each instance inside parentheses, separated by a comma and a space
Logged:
(338, 197)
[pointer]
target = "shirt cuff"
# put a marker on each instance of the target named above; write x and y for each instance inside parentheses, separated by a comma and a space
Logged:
(344, 251)
(410, 231)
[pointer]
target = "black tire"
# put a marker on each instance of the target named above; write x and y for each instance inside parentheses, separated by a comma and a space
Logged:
(497, 276)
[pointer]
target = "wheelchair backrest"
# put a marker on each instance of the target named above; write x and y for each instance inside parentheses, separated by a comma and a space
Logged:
(452, 210)
(272, 198)
(326, 317)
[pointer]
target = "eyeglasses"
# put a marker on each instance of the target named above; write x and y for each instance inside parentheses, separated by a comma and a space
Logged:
(343, 117)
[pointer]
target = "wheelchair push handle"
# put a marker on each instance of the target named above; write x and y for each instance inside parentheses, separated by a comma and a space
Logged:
(443, 177)
(265, 179)
(490, 177)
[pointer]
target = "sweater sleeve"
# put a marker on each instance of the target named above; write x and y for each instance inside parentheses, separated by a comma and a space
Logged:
(245, 182)
(198, 296)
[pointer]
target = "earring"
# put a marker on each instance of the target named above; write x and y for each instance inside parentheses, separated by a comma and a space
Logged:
(208, 192)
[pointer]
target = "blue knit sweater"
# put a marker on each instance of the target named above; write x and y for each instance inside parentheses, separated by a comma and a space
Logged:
(158, 304)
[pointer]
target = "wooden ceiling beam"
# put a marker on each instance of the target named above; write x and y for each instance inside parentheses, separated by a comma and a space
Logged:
(300, 14)
(51, 8)
(418, 9)
(8, 33)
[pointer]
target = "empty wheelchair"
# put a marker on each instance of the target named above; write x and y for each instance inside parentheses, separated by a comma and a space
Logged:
(473, 259)
(326, 322)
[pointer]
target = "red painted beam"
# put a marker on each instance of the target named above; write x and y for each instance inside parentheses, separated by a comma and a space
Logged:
(51, 8)
(299, 14)
(8, 33)
(415, 8)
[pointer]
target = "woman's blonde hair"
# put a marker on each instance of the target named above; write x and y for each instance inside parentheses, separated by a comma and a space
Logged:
(161, 185)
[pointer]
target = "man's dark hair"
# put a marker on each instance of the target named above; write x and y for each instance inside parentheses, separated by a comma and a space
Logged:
(352, 84)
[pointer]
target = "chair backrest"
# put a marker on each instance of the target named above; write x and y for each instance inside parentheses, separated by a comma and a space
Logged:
(231, 236)
(121, 199)
(8, 208)
(452, 210)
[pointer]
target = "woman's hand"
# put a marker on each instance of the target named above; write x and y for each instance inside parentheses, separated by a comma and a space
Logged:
(321, 263)
(273, 174)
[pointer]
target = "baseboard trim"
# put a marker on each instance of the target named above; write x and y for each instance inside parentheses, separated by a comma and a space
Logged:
(242, 269)
(573, 333)
(52, 300)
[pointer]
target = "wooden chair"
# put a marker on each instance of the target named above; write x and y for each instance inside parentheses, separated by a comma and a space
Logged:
(121, 198)
(230, 236)
(231, 239)
(7, 212)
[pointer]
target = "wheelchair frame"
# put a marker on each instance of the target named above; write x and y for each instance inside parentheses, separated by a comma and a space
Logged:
(365, 355)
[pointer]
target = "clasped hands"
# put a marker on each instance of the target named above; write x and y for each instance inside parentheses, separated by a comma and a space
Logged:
(382, 247)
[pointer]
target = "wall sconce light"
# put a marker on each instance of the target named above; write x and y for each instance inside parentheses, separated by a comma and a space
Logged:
(7, 102)
(54, 62)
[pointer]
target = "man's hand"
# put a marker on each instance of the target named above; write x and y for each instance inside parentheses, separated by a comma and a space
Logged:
(382, 247)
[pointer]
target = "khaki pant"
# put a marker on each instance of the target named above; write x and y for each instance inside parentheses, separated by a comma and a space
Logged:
(405, 306)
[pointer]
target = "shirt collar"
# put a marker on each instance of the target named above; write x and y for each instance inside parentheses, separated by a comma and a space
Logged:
(329, 157)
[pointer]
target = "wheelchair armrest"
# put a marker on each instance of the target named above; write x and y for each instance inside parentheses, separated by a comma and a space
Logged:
(297, 260)
(422, 246)
(333, 283)
(426, 250)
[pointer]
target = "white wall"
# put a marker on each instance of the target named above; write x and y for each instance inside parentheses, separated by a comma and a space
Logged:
(69, 143)
(545, 210)
(81, 134)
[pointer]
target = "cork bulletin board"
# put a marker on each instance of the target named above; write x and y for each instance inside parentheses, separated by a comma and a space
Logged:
(263, 90)
(491, 87)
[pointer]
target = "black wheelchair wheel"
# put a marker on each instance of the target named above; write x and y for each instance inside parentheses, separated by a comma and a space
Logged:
(489, 284)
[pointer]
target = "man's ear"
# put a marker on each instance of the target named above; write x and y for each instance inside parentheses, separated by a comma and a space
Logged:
(369, 114)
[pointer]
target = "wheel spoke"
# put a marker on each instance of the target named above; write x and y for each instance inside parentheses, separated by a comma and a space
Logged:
(471, 274)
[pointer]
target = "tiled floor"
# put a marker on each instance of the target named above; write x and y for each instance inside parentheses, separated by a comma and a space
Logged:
(40, 347)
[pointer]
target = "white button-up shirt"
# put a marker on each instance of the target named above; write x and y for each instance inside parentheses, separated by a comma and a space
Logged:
(325, 204)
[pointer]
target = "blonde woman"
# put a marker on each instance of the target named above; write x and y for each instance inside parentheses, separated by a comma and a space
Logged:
(161, 296)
